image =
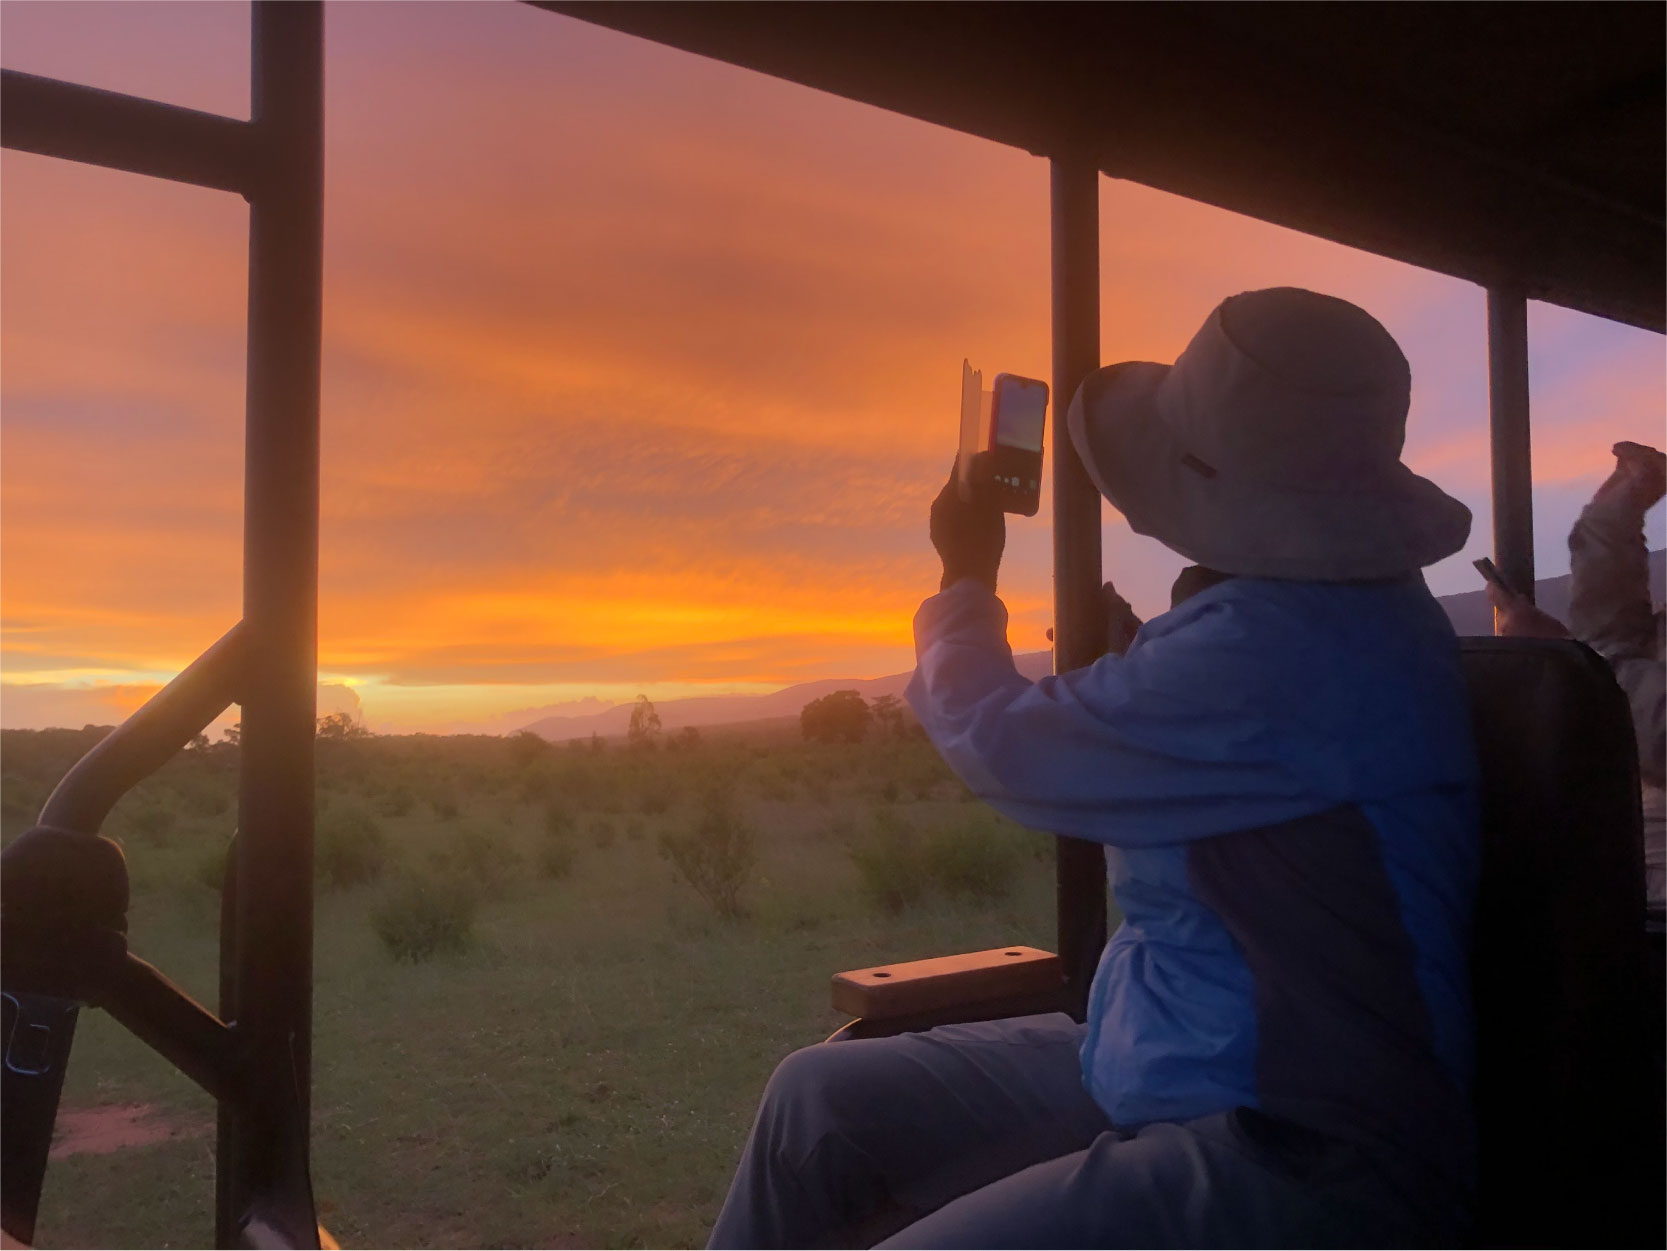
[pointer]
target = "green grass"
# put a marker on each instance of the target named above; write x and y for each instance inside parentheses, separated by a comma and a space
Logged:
(584, 1073)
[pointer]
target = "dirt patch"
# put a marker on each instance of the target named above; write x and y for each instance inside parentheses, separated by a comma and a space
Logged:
(99, 1131)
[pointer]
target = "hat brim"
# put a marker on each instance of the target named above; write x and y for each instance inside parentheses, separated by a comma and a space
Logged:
(1395, 525)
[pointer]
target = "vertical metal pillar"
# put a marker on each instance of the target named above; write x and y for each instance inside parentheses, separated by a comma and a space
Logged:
(1079, 628)
(264, 1136)
(1513, 477)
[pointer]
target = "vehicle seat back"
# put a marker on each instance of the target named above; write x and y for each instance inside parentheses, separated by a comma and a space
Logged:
(1569, 1097)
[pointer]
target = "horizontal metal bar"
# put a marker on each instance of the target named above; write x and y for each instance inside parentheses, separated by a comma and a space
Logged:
(149, 738)
(176, 1026)
(77, 123)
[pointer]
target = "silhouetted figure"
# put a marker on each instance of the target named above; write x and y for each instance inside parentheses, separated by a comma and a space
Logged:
(1611, 612)
(1278, 1045)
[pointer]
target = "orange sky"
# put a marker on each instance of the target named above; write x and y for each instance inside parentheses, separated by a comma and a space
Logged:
(639, 370)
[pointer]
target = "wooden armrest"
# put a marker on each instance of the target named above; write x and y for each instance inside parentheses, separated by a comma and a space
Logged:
(922, 986)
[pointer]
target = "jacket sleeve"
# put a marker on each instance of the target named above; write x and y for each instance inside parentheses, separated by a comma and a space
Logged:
(1169, 743)
(1610, 611)
(1609, 584)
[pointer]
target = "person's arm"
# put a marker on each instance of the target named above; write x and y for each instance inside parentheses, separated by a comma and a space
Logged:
(1609, 593)
(1168, 744)
(1644, 679)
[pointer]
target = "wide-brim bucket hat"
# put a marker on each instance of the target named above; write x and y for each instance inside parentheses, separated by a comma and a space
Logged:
(1271, 448)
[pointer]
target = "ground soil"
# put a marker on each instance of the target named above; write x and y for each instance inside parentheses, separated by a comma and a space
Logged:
(101, 1130)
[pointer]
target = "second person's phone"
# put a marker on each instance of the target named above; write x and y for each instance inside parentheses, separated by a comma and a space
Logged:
(1005, 464)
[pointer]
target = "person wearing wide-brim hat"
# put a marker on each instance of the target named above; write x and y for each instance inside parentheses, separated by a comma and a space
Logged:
(1277, 1047)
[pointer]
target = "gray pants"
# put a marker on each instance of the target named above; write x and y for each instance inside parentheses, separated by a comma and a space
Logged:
(983, 1136)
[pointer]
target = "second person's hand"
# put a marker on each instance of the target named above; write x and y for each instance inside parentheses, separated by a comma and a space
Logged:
(969, 538)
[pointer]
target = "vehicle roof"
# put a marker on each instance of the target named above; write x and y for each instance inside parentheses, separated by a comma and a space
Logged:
(1507, 144)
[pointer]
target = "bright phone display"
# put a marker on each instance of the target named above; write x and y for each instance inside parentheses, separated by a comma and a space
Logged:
(1001, 441)
(1018, 412)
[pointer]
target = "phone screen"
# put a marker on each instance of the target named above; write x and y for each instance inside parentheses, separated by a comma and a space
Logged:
(1021, 404)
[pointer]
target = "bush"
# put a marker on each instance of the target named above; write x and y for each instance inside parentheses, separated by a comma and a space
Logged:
(973, 860)
(208, 800)
(422, 917)
(602, 832)
(481, 861)
(210, 868)
(976, 859)
(556, 858)
(397, 802)
(558, 821)
(153, 823)
(350, 849)
(890, 867)
(717, 857)
(654, 798)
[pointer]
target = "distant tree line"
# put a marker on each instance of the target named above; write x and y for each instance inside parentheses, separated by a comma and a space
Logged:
(845, 717)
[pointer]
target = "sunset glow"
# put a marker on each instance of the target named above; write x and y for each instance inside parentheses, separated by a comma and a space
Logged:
(640, 370)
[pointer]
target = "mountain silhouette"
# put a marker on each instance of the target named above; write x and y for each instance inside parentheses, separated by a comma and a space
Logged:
(1469, 612)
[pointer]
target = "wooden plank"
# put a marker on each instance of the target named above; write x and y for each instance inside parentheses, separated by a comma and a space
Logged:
(919, 986)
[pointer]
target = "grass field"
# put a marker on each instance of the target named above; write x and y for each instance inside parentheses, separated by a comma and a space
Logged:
(577, 1059)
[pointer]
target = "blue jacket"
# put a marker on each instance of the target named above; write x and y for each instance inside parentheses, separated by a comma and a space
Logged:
(1284, 779)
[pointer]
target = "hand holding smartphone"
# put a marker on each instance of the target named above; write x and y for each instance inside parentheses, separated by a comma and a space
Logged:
(1001, 444)
(1490, 573)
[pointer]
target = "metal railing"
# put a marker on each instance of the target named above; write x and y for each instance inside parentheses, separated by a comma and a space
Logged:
(254, 1057)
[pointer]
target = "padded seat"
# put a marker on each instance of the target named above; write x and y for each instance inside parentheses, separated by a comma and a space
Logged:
(1568, 1088)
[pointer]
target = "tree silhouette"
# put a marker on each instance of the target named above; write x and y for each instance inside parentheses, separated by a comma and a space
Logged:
(527, 748)
(841, 717)
(888, 713)
(645, 724)
(340, 725)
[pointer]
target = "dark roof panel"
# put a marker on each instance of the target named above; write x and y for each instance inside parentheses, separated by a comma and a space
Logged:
(1495, 142)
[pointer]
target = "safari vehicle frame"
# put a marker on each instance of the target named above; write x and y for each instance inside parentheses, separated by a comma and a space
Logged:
(1518, 147)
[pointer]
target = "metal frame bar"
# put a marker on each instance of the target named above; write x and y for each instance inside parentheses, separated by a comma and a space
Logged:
(267, 952)
(1509, 434)
(1079, 620)
(255, 1058)
(149, 738)
(76, 123)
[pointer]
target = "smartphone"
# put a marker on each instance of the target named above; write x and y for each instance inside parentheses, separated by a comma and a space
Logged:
(1002, 461)
(1490, 572)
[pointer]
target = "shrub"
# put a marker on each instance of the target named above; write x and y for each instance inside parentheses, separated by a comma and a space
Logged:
(654, 797)
(210, 868)
(973, 859)
(890, 867)
(556, 858)
(422, 917)
(350, 849)
(397, 802)
(153, 823)
(558, 820)
(207, 800)
(717, 857)
(481, 861)
(923, 784)
(602, 832)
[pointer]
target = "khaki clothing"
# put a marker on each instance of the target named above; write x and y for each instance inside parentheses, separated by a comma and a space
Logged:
(1610, 611)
